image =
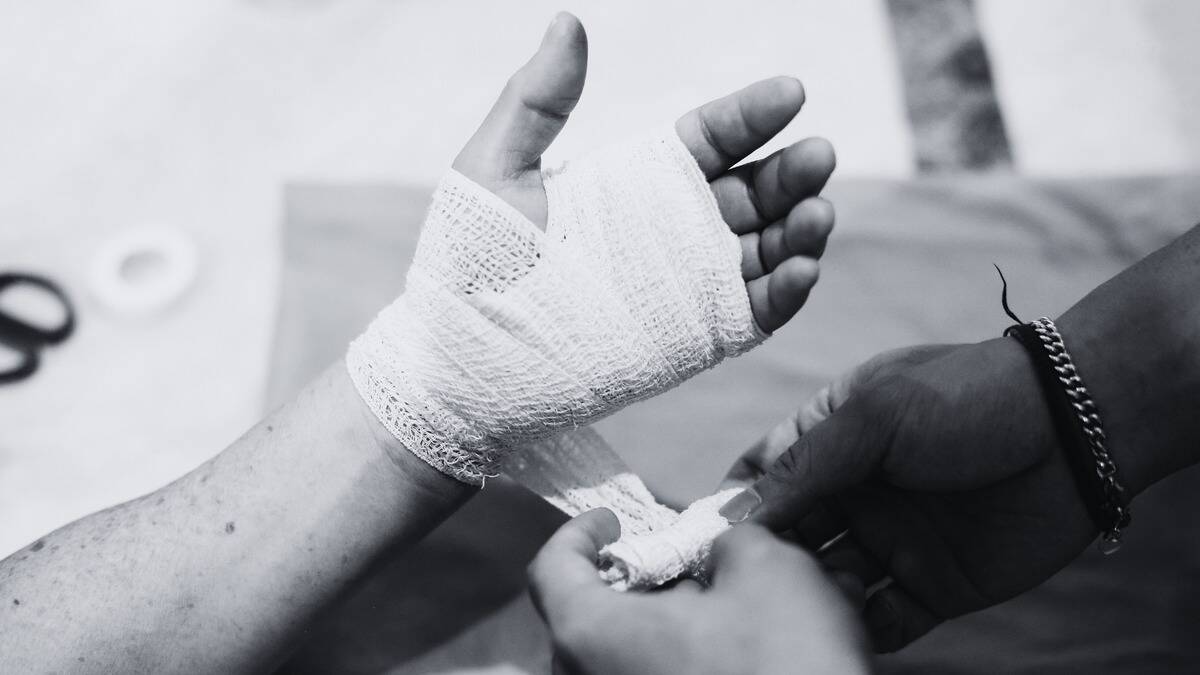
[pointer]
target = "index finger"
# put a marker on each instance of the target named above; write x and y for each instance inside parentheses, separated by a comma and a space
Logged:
(755, 461)
(564, 571)
(721, 132)
(839, 452)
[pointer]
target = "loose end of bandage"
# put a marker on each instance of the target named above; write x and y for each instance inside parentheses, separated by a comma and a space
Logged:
(678, 550)
(615, 574)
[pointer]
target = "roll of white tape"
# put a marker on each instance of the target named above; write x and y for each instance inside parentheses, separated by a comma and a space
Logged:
(143, 270)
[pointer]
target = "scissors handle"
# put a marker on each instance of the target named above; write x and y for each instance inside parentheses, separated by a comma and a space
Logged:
(22, 335)
(27, 366)
(27, 339)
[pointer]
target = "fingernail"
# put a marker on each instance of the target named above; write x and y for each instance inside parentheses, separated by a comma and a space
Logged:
(741, 506)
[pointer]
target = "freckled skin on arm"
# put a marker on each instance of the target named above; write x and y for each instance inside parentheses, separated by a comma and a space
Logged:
(219, 571)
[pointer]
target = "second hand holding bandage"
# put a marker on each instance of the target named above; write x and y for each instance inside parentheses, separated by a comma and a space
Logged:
(508, 340)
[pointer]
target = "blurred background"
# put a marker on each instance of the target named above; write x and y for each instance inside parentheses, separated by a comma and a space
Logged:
(266, 133)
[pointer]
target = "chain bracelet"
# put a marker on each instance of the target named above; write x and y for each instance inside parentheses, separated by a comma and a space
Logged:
(1089, 419)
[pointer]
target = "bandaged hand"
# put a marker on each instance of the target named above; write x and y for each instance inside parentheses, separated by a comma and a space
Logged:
(538, 301)
(769, 609)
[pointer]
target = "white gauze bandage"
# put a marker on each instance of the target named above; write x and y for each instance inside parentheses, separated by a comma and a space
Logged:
(577, 472)
(508, 339)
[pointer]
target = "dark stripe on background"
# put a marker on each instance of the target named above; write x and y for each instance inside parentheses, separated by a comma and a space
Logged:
(951, 100)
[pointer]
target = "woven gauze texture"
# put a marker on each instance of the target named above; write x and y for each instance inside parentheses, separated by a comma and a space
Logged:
(677, 549)
(577, 471)
(507, 335)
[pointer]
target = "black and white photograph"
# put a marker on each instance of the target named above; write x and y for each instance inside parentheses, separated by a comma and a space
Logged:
(600, 337)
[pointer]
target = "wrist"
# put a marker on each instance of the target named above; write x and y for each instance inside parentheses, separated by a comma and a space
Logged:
(1136, 343)
(396, 468)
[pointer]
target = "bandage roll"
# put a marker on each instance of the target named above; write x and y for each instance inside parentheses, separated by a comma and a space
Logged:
(144, 270)
(680, 548)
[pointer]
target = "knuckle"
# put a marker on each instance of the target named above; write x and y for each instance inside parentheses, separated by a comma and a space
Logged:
(892, 398)
(883, 401)
(882, 390)
(517, 83)
(791, 464)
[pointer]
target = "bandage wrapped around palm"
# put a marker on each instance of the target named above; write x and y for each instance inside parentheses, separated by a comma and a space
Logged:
(509, 338)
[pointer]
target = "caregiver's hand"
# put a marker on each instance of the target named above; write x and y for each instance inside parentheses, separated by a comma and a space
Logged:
(941, 464)
(770, 609)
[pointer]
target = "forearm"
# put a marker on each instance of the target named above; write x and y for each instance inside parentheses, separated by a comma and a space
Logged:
(219, 571)
(1136, 342)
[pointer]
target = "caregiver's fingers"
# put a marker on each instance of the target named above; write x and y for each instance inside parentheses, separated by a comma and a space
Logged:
(722, 132)
(532, 109)
(894, 533)
(894, 618)
(564, 571)
(753, 463)
(846, 555)
(840, 452)
(754, 195)
(852, 588)
(776, 297)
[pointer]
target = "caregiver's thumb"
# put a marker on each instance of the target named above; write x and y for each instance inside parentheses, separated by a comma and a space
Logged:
(843, 450)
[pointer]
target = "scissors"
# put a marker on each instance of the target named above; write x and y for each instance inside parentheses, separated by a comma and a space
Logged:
(25, 338)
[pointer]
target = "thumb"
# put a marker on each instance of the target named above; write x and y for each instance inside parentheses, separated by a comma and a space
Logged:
(754, 462)
(564, 572)
(837, 453)
(531, 110)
